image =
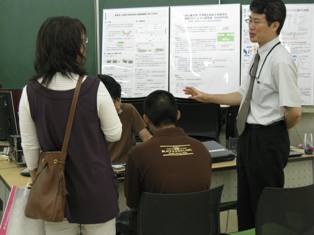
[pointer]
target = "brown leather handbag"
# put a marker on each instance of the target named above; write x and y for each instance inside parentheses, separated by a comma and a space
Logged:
(47, 197)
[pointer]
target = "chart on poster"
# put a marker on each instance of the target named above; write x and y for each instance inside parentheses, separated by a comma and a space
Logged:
(204, 48)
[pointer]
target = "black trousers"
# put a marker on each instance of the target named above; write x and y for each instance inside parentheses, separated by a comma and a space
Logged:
(262, 155)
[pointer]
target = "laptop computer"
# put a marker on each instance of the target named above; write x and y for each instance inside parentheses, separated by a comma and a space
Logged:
(218, 152)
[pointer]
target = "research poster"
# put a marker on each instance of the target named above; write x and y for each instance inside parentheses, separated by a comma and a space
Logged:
(297, 36)
(204, 48)
(135, 48)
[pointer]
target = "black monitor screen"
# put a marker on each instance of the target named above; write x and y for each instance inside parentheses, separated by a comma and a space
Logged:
(8, 120)
(199, 120)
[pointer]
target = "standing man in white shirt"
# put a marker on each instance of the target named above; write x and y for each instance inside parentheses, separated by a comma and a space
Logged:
(270, 104)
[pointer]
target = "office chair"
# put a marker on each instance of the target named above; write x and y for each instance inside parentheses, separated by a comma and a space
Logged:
(180, 213)
(284, 211)
(199, 120)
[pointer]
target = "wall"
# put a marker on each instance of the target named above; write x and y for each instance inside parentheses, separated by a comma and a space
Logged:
(21, 19)
(19, 23)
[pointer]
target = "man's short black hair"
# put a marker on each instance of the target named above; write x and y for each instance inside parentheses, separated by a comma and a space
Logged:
(161, 108)
(113, 87)
(274, 10)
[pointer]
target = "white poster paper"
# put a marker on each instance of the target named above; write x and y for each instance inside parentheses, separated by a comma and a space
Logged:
(204, 48)
(135, 48)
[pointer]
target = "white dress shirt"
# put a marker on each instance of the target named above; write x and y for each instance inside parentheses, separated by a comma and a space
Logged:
(275, 86)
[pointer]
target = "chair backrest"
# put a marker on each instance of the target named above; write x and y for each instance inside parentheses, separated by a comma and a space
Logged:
(180, 213)
(199, 120)
(286, 211)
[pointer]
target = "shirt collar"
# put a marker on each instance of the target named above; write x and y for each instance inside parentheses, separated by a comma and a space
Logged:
(265, 48)
(171, 131)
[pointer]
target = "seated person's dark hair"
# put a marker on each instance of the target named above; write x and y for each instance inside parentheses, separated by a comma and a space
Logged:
(161, 108)
(113, 87)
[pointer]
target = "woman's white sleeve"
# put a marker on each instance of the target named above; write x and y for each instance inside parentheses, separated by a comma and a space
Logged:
(109, 119)
(29, 137)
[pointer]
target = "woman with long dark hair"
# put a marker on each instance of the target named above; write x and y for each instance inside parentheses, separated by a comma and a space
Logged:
(44, 107)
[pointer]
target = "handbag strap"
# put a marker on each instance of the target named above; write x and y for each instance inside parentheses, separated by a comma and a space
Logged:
(71, 117)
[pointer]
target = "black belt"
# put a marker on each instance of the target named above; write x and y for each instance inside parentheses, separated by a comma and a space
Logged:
(257, 126)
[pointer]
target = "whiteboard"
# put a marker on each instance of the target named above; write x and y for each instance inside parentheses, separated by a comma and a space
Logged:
(135, 48)
(297, 37)
(204, 48)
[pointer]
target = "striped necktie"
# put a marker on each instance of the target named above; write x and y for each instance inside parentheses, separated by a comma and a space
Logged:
(245, 106)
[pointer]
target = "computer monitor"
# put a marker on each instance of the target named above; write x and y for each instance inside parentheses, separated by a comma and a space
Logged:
(199, 120)
(8, 115)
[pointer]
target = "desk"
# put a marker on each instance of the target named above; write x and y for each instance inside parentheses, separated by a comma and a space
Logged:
(10, 174)
(298, 172)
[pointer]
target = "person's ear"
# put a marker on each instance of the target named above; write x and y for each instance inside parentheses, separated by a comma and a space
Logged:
(146, 119)
(118, 101)
(83, 50)
(152, 129)
(117, 105)
(178, 115)
(274, 26)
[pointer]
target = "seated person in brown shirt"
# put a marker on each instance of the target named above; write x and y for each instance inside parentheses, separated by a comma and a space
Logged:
(132, 123)
(171, 161)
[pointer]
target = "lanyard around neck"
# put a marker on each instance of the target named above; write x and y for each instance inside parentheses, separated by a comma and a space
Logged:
(259, 73)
